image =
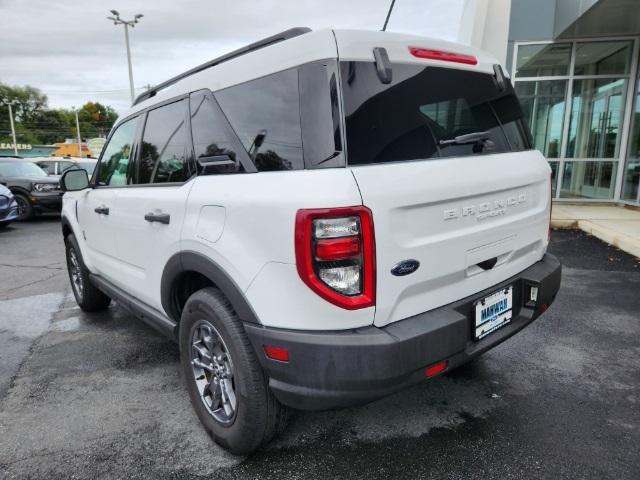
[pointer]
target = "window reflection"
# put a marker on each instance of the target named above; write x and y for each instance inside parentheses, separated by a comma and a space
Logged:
(603, 58)
(632, 172)
(596, 113)
(588, 180)
(543, 60)
(543, 104)
(114, 164)
(163, 154)
(265, 114)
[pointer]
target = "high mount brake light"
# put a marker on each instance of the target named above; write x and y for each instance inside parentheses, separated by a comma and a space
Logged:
(442, 55)
(335, 254)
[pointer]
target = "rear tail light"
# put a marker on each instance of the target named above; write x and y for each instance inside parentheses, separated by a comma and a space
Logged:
(443, 56)
(335, 254)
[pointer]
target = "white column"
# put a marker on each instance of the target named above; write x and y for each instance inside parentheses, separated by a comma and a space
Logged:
(485, 25)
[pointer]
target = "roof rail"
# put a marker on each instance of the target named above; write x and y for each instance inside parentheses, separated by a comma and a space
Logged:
(265, 42)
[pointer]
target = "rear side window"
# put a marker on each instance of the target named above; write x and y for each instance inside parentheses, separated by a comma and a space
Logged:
(163, 155)
(427, 112)
(62, 166)
(48, 167)
(211, 135)
(265, 114)
(320, 114)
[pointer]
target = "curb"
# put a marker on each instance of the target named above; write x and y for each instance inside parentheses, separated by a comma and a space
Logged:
(620, 240)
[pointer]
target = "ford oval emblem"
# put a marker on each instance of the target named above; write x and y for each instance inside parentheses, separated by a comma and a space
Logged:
(405, 267)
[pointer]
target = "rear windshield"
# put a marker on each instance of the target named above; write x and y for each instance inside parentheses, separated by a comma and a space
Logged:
(428, 112)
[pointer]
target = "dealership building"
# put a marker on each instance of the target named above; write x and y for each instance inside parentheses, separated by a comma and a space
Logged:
(574, 65)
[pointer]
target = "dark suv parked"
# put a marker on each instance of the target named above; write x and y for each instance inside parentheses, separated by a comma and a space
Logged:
(34, 191)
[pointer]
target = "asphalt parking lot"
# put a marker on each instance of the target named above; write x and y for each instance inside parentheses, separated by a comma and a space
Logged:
(100, 396)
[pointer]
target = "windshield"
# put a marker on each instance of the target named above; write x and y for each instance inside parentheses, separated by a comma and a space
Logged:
(21, 169)
(427, 112)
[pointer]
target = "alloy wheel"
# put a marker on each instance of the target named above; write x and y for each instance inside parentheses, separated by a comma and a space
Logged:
(22, 207)
(75, 273)
(213, 372)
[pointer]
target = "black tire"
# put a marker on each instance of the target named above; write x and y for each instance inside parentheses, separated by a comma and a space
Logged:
(88, 297)
(258, 416)
(4, 225)
(25, 209)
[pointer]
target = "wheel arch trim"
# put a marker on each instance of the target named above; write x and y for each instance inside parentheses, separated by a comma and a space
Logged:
(189, 261)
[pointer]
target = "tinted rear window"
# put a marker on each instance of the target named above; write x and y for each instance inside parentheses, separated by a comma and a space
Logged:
(267, 108)
(424, 112)
(288, 120)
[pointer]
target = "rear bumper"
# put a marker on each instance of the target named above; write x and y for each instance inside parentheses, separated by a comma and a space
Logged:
(339, 369)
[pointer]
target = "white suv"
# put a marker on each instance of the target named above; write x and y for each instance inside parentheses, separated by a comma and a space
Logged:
(319, 219)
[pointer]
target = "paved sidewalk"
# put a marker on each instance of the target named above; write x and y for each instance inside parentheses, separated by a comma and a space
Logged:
(615, 225)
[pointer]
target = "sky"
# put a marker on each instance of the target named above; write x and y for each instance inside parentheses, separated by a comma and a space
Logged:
(69, 50)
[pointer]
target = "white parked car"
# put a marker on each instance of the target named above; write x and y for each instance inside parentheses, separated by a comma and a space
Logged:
(319, 219)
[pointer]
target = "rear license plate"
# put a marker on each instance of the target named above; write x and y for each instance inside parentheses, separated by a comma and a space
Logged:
(493, 312)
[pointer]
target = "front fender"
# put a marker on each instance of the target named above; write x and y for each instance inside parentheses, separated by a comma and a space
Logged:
(70, 225)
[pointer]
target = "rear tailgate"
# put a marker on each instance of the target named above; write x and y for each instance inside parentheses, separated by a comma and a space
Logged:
(442, 157)
(451, 215)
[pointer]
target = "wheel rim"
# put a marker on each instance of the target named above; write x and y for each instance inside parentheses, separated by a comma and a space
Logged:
(75, 273)
(212, 369)
(22, 207)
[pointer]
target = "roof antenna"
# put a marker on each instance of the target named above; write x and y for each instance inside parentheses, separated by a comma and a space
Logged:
(384, 27)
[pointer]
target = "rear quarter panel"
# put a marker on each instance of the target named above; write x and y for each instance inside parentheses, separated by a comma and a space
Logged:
(245, 223)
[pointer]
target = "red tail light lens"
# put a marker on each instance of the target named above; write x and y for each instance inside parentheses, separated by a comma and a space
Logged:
(337, 248)
(335, 254)
(443, 56)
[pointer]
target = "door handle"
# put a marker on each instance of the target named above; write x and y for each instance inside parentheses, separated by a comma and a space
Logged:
(158, 217)
(102, 210)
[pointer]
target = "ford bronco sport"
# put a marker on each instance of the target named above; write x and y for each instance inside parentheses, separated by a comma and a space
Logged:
(319, 219)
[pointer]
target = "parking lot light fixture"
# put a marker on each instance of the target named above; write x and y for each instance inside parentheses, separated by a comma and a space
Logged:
(127, 23)
(10, 103)
(78, 132)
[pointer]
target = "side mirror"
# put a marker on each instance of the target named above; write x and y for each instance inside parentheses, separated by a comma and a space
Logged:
(74, 180)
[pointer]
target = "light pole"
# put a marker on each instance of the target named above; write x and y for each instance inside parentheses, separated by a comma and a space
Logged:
(9, 104)
(127, 23)
(78, 133)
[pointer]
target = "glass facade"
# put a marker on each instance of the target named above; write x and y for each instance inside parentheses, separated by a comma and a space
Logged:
(543, 104)
(631, 178)
(575, 95)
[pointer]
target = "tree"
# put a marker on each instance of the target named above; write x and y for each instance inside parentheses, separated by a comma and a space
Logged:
(50, 126)
(35, 123)
(96, 119)
(27, 102)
